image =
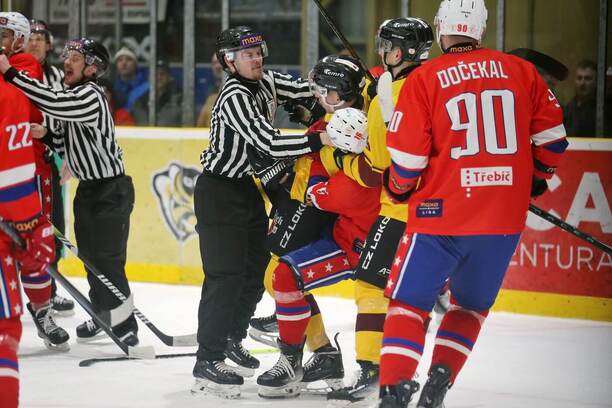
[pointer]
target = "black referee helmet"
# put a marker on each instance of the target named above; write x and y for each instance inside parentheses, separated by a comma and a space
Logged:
(95, 53)
(235, 39)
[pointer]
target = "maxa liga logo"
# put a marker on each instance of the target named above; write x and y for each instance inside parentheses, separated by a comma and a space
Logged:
(251, 40)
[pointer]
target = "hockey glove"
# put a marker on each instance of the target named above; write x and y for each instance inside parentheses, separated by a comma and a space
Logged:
(339, 158)
(372, 89)
(269, 170)
(39, 249)
(397, 198)
(538, 186)
(304, 110)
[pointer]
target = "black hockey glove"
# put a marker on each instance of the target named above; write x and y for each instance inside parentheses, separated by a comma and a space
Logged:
(397, 198)
(538, 186)
(304, 110)
(339, 158)
(272, 172)
(372, 89)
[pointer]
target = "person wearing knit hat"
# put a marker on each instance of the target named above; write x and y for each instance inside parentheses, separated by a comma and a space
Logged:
(131, 82)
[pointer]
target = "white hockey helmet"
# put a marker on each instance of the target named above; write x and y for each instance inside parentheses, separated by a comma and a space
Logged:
(461, 17)
(348, 130)
(17, 23)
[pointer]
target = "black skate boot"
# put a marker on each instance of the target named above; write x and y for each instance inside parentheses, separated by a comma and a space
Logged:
(62, 306)
(55, 337)
(284, 379)
(126, 331)
(264, 330)
(398, 396)
(435, 388)
(324, 364)
(216, 378)
(246, 363)
(364, 386)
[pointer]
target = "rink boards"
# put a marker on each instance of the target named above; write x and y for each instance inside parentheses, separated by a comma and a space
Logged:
(552, 272)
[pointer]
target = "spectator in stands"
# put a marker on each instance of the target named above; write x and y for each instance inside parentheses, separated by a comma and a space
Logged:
(120, 115)
(579, 113)
(205, 112)
(168, 100)
(131, 82)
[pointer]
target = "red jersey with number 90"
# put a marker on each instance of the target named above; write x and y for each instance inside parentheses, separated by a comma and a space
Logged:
(475, 127)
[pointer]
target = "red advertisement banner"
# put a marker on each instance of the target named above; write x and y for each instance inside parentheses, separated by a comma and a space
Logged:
(551, 260)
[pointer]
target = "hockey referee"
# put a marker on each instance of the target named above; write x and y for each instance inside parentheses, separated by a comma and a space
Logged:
(231, 218)
(85, 137)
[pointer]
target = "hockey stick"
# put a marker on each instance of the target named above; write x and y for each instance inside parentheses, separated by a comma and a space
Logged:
(131, 351)
(569, 228)
(174, 341)
(332, 24)
(91, 361)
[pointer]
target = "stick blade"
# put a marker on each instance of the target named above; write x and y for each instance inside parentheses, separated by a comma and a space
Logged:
(188, 340)
(141, 352)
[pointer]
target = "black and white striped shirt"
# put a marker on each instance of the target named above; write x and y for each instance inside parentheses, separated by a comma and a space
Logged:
(53, 77)
(85, 135)
(243, 115)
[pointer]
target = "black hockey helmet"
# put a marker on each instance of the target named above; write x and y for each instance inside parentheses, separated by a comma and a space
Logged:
(94, 52)
(40, 27)
(238, 38)
(344, 75)
(412, 35)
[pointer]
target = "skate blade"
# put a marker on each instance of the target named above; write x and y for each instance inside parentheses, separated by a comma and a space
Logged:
(289, 391)
(85, 340)
(316, 388)
(62, 313)
(62, 347)
(203, 387)
(264, 338)
(242, 371)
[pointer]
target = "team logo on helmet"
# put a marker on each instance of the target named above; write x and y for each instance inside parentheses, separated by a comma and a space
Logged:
(173, 187)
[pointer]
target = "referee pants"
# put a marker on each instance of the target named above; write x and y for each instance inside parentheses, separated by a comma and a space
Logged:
(232, 225)
(102, 211)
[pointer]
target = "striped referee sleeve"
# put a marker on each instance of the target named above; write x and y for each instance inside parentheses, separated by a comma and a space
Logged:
(78, 104)
(287, 87)
(243, 116)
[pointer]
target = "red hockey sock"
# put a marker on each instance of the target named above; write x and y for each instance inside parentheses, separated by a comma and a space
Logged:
(37, 286)
(403, 342)
(456, 337)
(292, 309)
(10, 334)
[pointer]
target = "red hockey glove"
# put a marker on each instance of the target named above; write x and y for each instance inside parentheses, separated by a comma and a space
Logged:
(396, 197)
(39, 249)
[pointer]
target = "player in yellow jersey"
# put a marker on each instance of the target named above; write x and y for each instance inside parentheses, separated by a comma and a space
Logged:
(402, 43)
(294, 224)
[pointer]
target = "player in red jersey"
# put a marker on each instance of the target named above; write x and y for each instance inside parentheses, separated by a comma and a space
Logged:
(19, 205)
(480, 132)
(325, 261)
(36, 283)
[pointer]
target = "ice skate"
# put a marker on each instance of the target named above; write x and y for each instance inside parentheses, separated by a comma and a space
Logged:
(54, 337)
(264, 330)
(246, 364)
(435, 388)
(325, 364)
(284, 380)
(216, 378)
(398, 396)
(62, 306)
(363, 387)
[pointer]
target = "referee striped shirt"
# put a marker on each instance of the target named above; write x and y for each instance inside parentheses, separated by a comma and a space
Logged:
(53, 77)
(243, 115)
(85, 137)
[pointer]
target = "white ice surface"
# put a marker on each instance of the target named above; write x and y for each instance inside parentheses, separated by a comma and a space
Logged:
(519, 361)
